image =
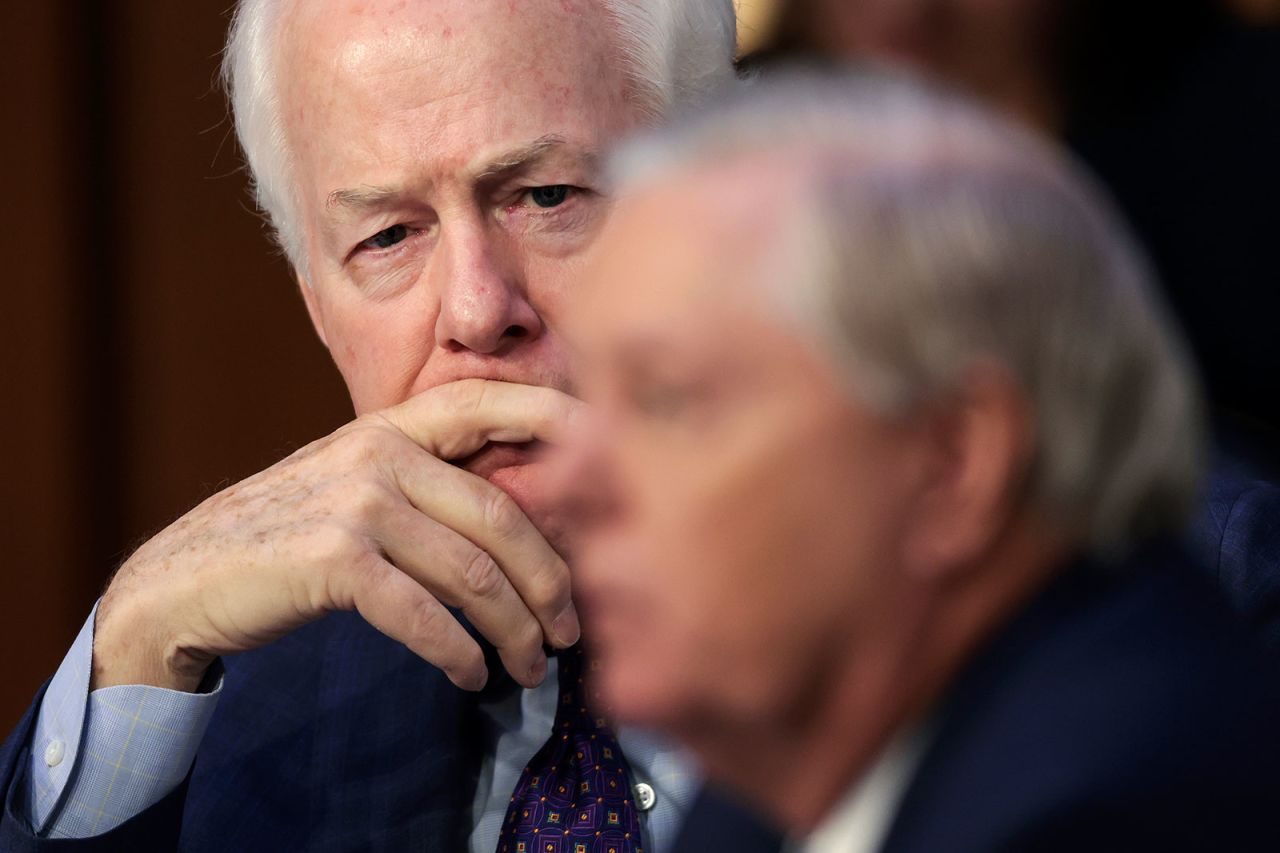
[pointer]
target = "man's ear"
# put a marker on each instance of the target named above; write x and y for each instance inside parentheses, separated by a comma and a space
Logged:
(313, 308)
(980, 442)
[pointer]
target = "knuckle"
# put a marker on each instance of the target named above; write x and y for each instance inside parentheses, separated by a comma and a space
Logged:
(547, 591)
(458, 395)
(502, 516)
(528, 635)
(465, 396)
(428, 620)
(330, 544)
(482, 576)
(367, 440)
(479, 394)
(369, 501)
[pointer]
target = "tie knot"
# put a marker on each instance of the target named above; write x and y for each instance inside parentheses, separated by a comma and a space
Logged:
(580, 707)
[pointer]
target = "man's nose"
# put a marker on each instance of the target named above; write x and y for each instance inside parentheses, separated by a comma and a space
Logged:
(484, 307)
(581, 480)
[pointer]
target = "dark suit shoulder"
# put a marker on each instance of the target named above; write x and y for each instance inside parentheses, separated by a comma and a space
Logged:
(1121, 710)
(1237, 536)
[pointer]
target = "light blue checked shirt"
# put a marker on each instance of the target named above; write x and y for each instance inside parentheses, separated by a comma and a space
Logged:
(99, 758)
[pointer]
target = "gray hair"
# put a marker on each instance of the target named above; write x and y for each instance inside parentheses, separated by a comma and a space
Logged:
(674, 52)
(927, 237)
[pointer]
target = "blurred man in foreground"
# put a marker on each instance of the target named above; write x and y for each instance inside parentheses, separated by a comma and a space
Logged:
(1183, 130)
(886, 443)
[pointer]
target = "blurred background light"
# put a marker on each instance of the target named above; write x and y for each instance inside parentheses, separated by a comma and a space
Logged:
(756, 21)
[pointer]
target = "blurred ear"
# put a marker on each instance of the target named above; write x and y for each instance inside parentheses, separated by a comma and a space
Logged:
(313, 308)
(979, 445)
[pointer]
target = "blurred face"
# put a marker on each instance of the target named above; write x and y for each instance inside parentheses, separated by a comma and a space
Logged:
(445, 157)
(737, 513)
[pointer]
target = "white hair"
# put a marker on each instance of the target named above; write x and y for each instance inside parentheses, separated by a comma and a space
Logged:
(674, 52)
(927, 237)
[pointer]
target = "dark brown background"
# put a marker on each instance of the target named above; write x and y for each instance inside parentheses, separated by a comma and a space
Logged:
(153, 346)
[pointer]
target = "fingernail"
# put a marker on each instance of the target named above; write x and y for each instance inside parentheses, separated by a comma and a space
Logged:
(566, 627)
(537, 672)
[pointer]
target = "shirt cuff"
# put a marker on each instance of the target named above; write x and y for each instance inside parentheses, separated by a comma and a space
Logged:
(100, 758)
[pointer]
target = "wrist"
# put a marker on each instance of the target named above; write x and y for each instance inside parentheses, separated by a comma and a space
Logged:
(132, 647)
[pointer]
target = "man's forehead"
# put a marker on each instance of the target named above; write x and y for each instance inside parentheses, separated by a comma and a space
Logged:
(481, 63)
(371, 37)
(396, 95)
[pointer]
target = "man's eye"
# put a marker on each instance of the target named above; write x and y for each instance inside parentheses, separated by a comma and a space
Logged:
(552, 196)
(387, 237)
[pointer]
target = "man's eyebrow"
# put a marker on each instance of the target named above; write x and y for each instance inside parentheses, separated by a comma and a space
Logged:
(366, 197)
(528, 155)
(358, 198)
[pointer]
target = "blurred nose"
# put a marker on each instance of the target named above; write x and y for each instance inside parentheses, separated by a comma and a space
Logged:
(483, 304)
(581, 477)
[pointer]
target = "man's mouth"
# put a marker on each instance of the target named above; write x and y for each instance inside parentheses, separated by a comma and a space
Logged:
(495, 455)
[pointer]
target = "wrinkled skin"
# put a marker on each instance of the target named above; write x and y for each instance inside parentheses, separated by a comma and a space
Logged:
(444, 159)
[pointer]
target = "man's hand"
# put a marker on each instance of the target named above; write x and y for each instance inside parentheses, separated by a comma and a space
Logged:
(370, 518)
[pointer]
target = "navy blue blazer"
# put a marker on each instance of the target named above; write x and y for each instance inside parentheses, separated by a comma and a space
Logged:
(336, 738)
(1236, 536)
(1122, 710)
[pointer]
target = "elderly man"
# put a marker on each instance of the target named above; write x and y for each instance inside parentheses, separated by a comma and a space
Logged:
(430, 167)
(881, 449)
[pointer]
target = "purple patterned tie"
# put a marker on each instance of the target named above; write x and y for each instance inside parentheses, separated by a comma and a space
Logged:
(575, 795)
